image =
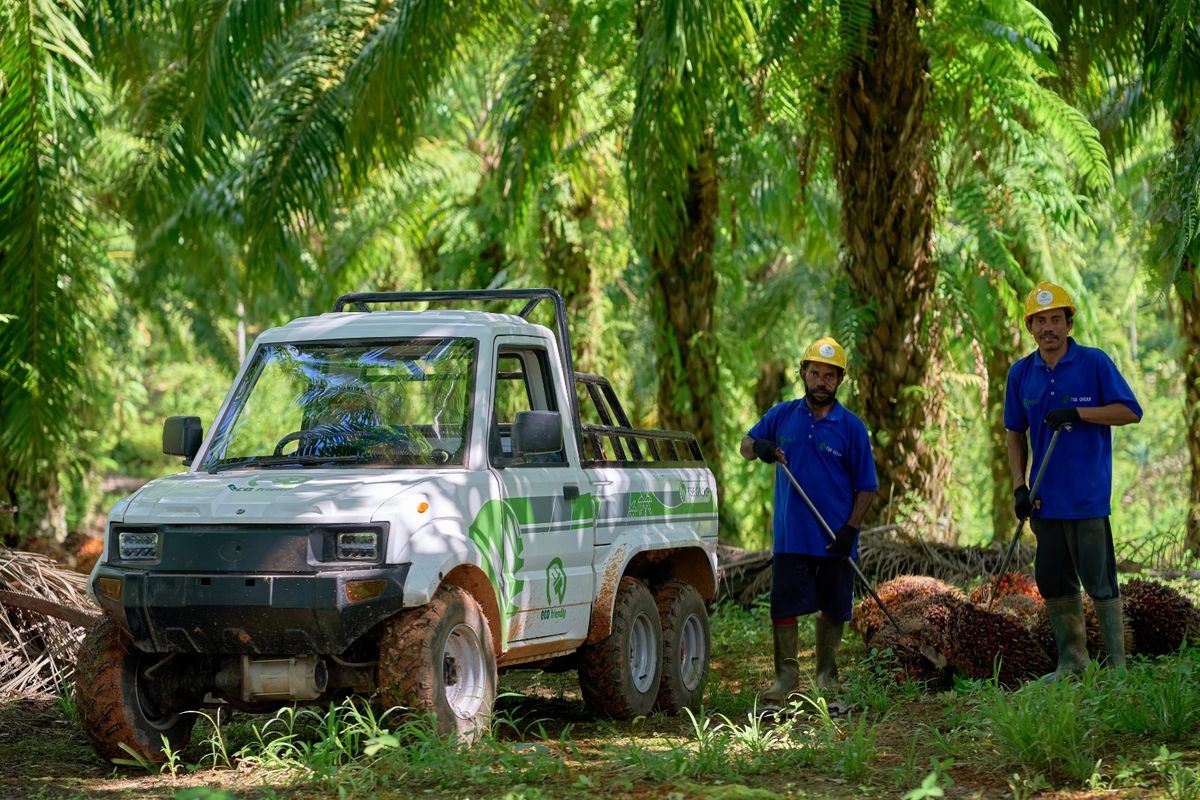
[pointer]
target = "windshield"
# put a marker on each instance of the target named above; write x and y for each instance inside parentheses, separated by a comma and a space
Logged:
(357, 403)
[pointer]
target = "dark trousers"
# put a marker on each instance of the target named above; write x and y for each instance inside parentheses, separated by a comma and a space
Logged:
(802, 584)
(1074, 551)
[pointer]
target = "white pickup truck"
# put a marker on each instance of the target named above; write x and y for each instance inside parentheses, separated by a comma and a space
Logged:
(401, 503)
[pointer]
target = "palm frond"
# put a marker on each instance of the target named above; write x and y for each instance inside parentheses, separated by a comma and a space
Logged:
(406, 51)
(688, 51)
(1175, 214)
(538, 106)
(52, 269)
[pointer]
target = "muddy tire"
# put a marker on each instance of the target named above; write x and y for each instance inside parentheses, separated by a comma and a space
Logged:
(117, 704)
(619, 676)
(686, 646)
(438, 660)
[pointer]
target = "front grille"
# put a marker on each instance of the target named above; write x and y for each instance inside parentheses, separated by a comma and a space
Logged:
(257, 549)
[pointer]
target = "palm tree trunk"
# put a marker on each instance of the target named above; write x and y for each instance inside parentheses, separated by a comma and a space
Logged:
(1187, 283)
(569, 270)
(999, 359)
(1189, 324)
(883, 147)
(33, 508)
(685, 285)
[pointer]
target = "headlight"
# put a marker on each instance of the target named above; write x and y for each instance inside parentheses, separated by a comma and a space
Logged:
(358, 546)
(138, 545)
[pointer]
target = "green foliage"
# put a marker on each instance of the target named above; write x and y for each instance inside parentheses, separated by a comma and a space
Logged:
(935, 783)
(876, 683)
(1059, 728)
(244, 162)
(58, 282)
(1180, 782)
(1041, 727)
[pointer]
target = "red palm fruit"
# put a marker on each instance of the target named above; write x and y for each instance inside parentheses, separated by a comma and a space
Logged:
(919, 659)
(1159, 615)
(898, 594)
(976, 638)
(1009, 585)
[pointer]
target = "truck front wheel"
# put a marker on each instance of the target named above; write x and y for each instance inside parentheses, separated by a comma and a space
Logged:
(685, 646)
(619, 675)
(438, 660)
(118, 704)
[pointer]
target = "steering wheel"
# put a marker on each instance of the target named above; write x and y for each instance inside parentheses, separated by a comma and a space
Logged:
(297, 436)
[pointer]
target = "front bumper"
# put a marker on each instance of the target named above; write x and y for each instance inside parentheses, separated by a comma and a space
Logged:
(223, 613)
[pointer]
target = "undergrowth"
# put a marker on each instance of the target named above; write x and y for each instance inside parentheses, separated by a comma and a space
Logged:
(1104, 730)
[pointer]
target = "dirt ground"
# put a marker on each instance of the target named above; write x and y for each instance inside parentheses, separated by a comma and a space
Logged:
(44, 755)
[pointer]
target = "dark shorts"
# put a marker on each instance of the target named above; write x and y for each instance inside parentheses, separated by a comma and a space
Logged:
(1074, 551)
(803, 584)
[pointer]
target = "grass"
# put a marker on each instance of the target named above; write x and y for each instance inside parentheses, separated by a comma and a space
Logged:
(1137, 731)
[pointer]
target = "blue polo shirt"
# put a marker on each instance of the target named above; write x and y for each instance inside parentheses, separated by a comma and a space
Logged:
(1078, 482)
(831, 459)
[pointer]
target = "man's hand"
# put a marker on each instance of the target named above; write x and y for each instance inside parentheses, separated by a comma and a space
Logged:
(1061, 416)
(765, 450)
(1021, 502)
(843, 541)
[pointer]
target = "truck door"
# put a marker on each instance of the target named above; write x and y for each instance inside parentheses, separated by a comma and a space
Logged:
(548, 498)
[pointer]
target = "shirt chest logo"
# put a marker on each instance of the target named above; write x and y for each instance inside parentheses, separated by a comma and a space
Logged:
(829, 449)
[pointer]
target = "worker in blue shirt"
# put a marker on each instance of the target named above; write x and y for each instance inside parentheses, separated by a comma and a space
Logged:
(1064, 385)
(828, 450)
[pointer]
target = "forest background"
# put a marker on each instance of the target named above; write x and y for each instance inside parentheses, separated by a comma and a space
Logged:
(711, 185)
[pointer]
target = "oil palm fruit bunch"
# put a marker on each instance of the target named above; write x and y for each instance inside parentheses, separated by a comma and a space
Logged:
(917, 644)
(899, 594)
(1010, 584)
(976, 638)
(1161, 617)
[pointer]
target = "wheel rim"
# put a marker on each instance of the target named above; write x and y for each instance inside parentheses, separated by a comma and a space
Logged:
(463, 671)
(642, 644)
(692, 655)
(147, 703)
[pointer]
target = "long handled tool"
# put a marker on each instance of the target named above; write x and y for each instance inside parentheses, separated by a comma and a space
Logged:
(829, 535)
(1016, 537)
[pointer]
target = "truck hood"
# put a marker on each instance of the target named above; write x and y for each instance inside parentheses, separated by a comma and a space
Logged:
(324, 496)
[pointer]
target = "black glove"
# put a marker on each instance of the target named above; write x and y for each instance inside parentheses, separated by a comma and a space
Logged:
(1021, 502)
(843, 541)
(764, 450)
(1061, 416)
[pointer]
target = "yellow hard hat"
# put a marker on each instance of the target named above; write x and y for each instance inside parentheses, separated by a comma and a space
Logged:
(1045, 296)
(826, 351)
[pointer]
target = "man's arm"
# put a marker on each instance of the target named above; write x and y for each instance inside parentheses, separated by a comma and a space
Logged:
(1111, 414)
(862, 502)
(1018, 456)
(747, 448)
(747, 451)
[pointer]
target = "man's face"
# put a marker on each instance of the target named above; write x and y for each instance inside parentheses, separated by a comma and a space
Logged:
(821, 382)
(1050, 329)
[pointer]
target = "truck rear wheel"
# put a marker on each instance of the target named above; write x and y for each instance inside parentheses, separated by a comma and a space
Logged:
(685, 646)
(619, 676)
(118, 704)
(438, 660)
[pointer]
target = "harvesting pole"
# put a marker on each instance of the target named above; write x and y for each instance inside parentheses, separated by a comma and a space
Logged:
(829, 535)
(1016, 537)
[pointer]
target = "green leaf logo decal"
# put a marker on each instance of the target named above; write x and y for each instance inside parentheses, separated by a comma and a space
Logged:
(496, 531)
(556, 582)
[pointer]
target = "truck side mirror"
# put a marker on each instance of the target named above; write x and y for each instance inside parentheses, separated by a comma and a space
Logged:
(536, 432)
(182, 437)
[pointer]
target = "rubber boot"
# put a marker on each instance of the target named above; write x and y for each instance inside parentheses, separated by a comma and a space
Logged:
(829, 639)
(787, 674)
(1112, 631)
(1070, 636)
